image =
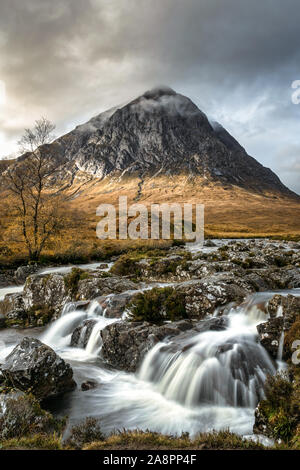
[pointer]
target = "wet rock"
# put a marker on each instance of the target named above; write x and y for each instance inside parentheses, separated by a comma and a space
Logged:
(22, 272)
(18, 316)
(209, 244)
(257, 281)
(79, 305)
(126, 343)
(288, 306)
(12, 302)
(162, 269)
(196, 269)
(204, 296)
(45, 290)
(114, 305)
(284, 312)
(282, 278)
(97, 286)
(33, 366)
(102, 266)
(212, 324)
(88, 385)
(269, 335)
(13, 309)
(82, 333)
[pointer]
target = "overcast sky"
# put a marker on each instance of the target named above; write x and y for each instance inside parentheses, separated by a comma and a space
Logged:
(236, 59)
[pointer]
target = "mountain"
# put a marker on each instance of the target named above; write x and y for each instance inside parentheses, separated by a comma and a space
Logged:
(160, 132)
(161, 147)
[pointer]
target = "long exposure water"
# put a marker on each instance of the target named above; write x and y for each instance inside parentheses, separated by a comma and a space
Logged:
(198, 382)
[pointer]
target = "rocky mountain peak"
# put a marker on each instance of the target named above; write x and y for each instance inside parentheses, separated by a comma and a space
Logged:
(161, 131)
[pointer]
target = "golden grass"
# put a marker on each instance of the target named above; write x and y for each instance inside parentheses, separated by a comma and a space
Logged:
(229, 213)
(139, 440)
(34, 442)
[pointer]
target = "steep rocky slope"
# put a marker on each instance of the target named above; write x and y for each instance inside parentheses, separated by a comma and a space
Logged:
(160, 132)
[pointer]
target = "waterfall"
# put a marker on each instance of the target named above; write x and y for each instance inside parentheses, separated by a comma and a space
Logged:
(280, 347)
(195, 382)
(59, 334)
(94, 343)
(68, 307)
(223, 368)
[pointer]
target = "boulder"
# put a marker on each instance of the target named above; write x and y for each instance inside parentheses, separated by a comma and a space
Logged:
(12, 302)
(95, 286)
(269, 335)
(33, 366)
(18, 316)
(82, 333)
(284, 314)
(88, 385)
(288, 306)
(13, 309)
(209, 244)
(45, 290)
(126, 343)
(114, 305)
(22, 272)
(204, 296)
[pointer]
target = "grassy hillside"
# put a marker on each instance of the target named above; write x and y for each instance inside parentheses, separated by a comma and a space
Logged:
(229, 212)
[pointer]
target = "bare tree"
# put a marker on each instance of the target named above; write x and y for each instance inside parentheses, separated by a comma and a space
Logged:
(39, 208)
(41, 134)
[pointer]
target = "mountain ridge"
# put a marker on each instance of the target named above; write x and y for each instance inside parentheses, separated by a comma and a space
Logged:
(159, 132)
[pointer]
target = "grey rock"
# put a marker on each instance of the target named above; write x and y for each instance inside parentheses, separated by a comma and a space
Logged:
(22, 272)
(269, 335)
(204, 296)
(45, 290)
(82, 333)
(209, 244)
(88, 385)
(97, 286)
(21, 415)
(33, 366)
(12, 308)
(284, 311)
(126, 343)
(114, 305)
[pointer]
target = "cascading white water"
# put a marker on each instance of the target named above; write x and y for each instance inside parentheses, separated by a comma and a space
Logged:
(211, 380)
(58, 335)
(280, 347)
(201, 382)
(94, 343)
(223, 368)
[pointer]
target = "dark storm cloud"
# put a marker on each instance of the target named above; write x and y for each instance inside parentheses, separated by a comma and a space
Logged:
(70, 59)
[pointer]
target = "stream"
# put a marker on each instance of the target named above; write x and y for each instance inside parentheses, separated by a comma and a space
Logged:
(201, 382)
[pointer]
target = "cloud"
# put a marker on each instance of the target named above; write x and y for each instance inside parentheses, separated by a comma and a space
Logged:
(71, 59)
